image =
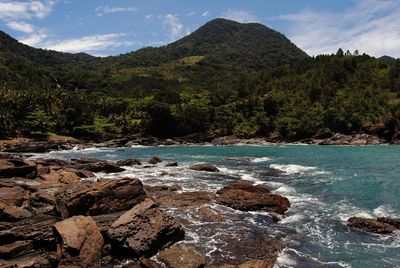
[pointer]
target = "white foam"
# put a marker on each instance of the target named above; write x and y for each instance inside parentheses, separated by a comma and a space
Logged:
(291, 219)
(384, 211)
(284, 189)
(261, 159)
(247, 177)
(292, 169)
(285, 260)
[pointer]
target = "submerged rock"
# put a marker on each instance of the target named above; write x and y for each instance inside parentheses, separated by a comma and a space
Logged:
(252, 198)
(370, 225)
(79, 242)
(204, 167)
(144, 230)
(180, 256)
(99, 198)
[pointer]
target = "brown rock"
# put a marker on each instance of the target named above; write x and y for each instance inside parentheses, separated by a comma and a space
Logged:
(16, 168)
(79, 242)
(52, 177)
(68, 177)
(30, 260)
(204, 167)
(144, 230)
(155, 160)
(13, 213)
(180, 256)
(13, 196)
(183, 200)
(369, 225)
(391, 221)
(171, 164)
(129, 162)
(244, 186)
(99, 198)
(15, 249)
(95, 165)
(252, 199)
(207, 215)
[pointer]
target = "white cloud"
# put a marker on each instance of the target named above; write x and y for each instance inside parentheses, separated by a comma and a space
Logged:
(175, 28)
(16, 10)
(34, 38)
(20, 26)
(149, 17)
(103, 10)
(371, 26)
(88, 44)
(206, 14)
(240, 16)
(190, 14)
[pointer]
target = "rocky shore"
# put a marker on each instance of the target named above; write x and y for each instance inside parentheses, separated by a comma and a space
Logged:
(56, 213)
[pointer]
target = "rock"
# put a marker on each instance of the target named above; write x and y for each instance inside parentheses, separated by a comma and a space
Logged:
(52, 177)
(68, 177)
(204, 167)
(13, 213)
(369, 225)
(144, 230)
(13, 196)
(183, 200)
(79, 242)
(244, 186)
(30, 260)
(391, 221)
(100, 198)
(38, 229)
(171, 164)
(15, 249)
(207, 215)
(180, 256)
(252, 198)
(95, 165)
(249, 264)
(16, 168)
(155, 160)
(129, 162)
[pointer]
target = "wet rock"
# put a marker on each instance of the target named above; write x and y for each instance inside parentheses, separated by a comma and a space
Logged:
(204, 167)
(244, 186)
(171, 164)
(95, 165)
(392, 221)
(144, 230)
(16, 168)
(99, 198)
(252, 199)
(180, 256)
(369, 225)
(79, 242)
(15, 249)
(162, 188)
(129, 162)
(207, 215)
(155, 160)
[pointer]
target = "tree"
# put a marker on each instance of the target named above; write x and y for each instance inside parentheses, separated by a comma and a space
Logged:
(340, 53)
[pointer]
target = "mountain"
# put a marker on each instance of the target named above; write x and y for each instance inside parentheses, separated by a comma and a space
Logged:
(220, 51)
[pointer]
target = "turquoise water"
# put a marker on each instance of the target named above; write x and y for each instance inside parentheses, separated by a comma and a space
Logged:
(325, 185)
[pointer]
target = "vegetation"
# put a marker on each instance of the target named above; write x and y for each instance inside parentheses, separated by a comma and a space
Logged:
(226, 78)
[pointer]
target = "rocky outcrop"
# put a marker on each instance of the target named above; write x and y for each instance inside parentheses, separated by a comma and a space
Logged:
(244, 186)
(155, 160)
(15, 167)
(246, 198)
(99, 198)
(184, 200)
(144, 230)
(378, 226)
(79, 242)
(129, 162)
(178, 257)
(204, 167)
(95, 165)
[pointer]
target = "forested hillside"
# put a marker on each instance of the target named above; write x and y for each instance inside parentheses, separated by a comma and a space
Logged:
(225, 78)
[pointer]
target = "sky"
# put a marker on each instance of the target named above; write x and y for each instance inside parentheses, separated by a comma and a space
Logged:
(112, 27)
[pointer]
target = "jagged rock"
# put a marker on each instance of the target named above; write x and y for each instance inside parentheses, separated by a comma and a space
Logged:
(204, 167)
(252, 199)
(171, 164)
(144, 230)
(99, 198)
(391, 221)
(244, 186)
(14, 167)
(13, 213)
(155, 160)
(79, 242)
(30, 260)
(370, 225)
(13, 196)
(129, 162)
(15, 249)
(180, 256)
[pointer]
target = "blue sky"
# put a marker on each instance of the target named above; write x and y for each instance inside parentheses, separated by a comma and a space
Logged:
(112, 27)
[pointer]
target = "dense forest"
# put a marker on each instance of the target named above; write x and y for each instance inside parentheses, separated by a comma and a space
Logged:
(226, 78)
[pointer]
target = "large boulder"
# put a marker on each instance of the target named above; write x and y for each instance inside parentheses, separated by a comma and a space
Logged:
(144, 230)
(178, 257)
(155, 160)
(79, 242)
(252, 198)
(204, 167)
(99, 198)
(370, 225)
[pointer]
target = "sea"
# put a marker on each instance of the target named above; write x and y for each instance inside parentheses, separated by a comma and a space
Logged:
(325, 185)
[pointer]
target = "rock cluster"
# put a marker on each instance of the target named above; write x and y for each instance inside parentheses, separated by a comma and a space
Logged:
(379, 226)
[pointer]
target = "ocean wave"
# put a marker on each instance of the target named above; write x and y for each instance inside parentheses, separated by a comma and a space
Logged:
(293, 169)
(261, 159)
